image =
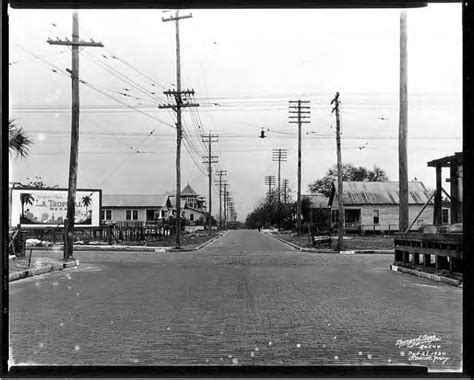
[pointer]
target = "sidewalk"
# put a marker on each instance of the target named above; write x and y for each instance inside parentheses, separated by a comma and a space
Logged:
(20, 268)
(39, 265)
(326, 250)
(134, 248)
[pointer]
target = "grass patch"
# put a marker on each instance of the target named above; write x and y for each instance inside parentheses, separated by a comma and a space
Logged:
(351, 242)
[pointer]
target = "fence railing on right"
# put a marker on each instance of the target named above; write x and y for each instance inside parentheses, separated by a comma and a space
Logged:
(434, 253)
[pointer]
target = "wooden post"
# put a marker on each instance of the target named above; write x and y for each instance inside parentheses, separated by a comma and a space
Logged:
(340, 190)
(420, 212)
(179, 133)
(73, 157)
(453, 179)
(437, 212)
(403, 126)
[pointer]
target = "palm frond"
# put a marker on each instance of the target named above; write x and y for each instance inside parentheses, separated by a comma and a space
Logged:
(18, 141)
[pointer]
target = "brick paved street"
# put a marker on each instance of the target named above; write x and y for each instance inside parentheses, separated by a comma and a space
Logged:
(245, 299)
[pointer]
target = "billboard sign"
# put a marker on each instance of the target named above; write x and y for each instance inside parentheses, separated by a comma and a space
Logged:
(37, 208)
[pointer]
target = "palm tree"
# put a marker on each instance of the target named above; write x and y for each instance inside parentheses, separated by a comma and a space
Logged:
(86, 201)
(25, 198)
(18, 141)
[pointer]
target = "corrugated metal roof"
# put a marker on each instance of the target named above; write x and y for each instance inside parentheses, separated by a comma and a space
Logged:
(135, 200)
(360, 193)
(317, 200)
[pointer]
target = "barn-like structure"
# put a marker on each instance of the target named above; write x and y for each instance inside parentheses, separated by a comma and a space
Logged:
(438, 248)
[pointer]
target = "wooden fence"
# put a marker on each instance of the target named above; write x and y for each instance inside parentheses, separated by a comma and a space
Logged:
(118, 232)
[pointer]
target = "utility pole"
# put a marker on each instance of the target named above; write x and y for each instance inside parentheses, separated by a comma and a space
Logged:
(279, 155)
(402, 128)
(74, 151)
(225, 205)
(270, 181)
(209, 161)
(177, 108)
(220, 173)
(285, 190)
(340, 216)
(301, 109)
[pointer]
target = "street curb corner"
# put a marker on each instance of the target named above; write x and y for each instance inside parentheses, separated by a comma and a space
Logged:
(41, 270)
(429, 276)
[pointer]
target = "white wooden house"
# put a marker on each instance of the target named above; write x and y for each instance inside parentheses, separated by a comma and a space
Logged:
(135, 207)
(374, 206)
(139, 207)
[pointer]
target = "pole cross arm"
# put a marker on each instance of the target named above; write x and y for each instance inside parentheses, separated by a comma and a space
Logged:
(176, 18)
(163, 106)
(71, 43)
(183, 92)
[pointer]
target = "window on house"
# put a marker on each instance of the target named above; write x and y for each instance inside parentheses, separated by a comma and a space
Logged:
(131, 214)
(445, 215)
(106, 215)
(191, 217)
(352, 216)
(376, 217)
(151, 214)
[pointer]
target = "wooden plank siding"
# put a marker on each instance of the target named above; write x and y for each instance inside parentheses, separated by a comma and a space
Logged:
(388, 216)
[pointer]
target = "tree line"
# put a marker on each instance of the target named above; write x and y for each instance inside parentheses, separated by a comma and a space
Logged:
(267, 212)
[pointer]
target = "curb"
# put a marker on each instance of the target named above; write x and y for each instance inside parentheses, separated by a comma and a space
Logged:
(206, 243)
(430, 276)
(292, 245)
(41, 270)
(101, 248)
(134, 248)
(380, 251)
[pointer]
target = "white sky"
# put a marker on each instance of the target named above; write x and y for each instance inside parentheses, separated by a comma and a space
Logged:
(249, 62)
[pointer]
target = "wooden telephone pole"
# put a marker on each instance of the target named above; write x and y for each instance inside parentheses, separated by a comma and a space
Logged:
(340, 216)
(179, 103)
(74, 152)
(269, 181)
(301, 110)
(220, 173)
(279, 155)
(285, 190)
(226, 193)
(402, 129)
(209, 161)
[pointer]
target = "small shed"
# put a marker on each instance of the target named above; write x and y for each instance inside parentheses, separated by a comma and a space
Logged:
(319, 210)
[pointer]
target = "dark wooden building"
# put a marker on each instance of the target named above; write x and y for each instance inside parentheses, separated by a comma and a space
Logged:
(437, 249)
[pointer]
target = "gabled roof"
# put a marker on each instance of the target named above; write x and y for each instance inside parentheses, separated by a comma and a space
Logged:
(317, 200)
(387, 193)
(173, 202)
(188, 191)
(136, 200)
